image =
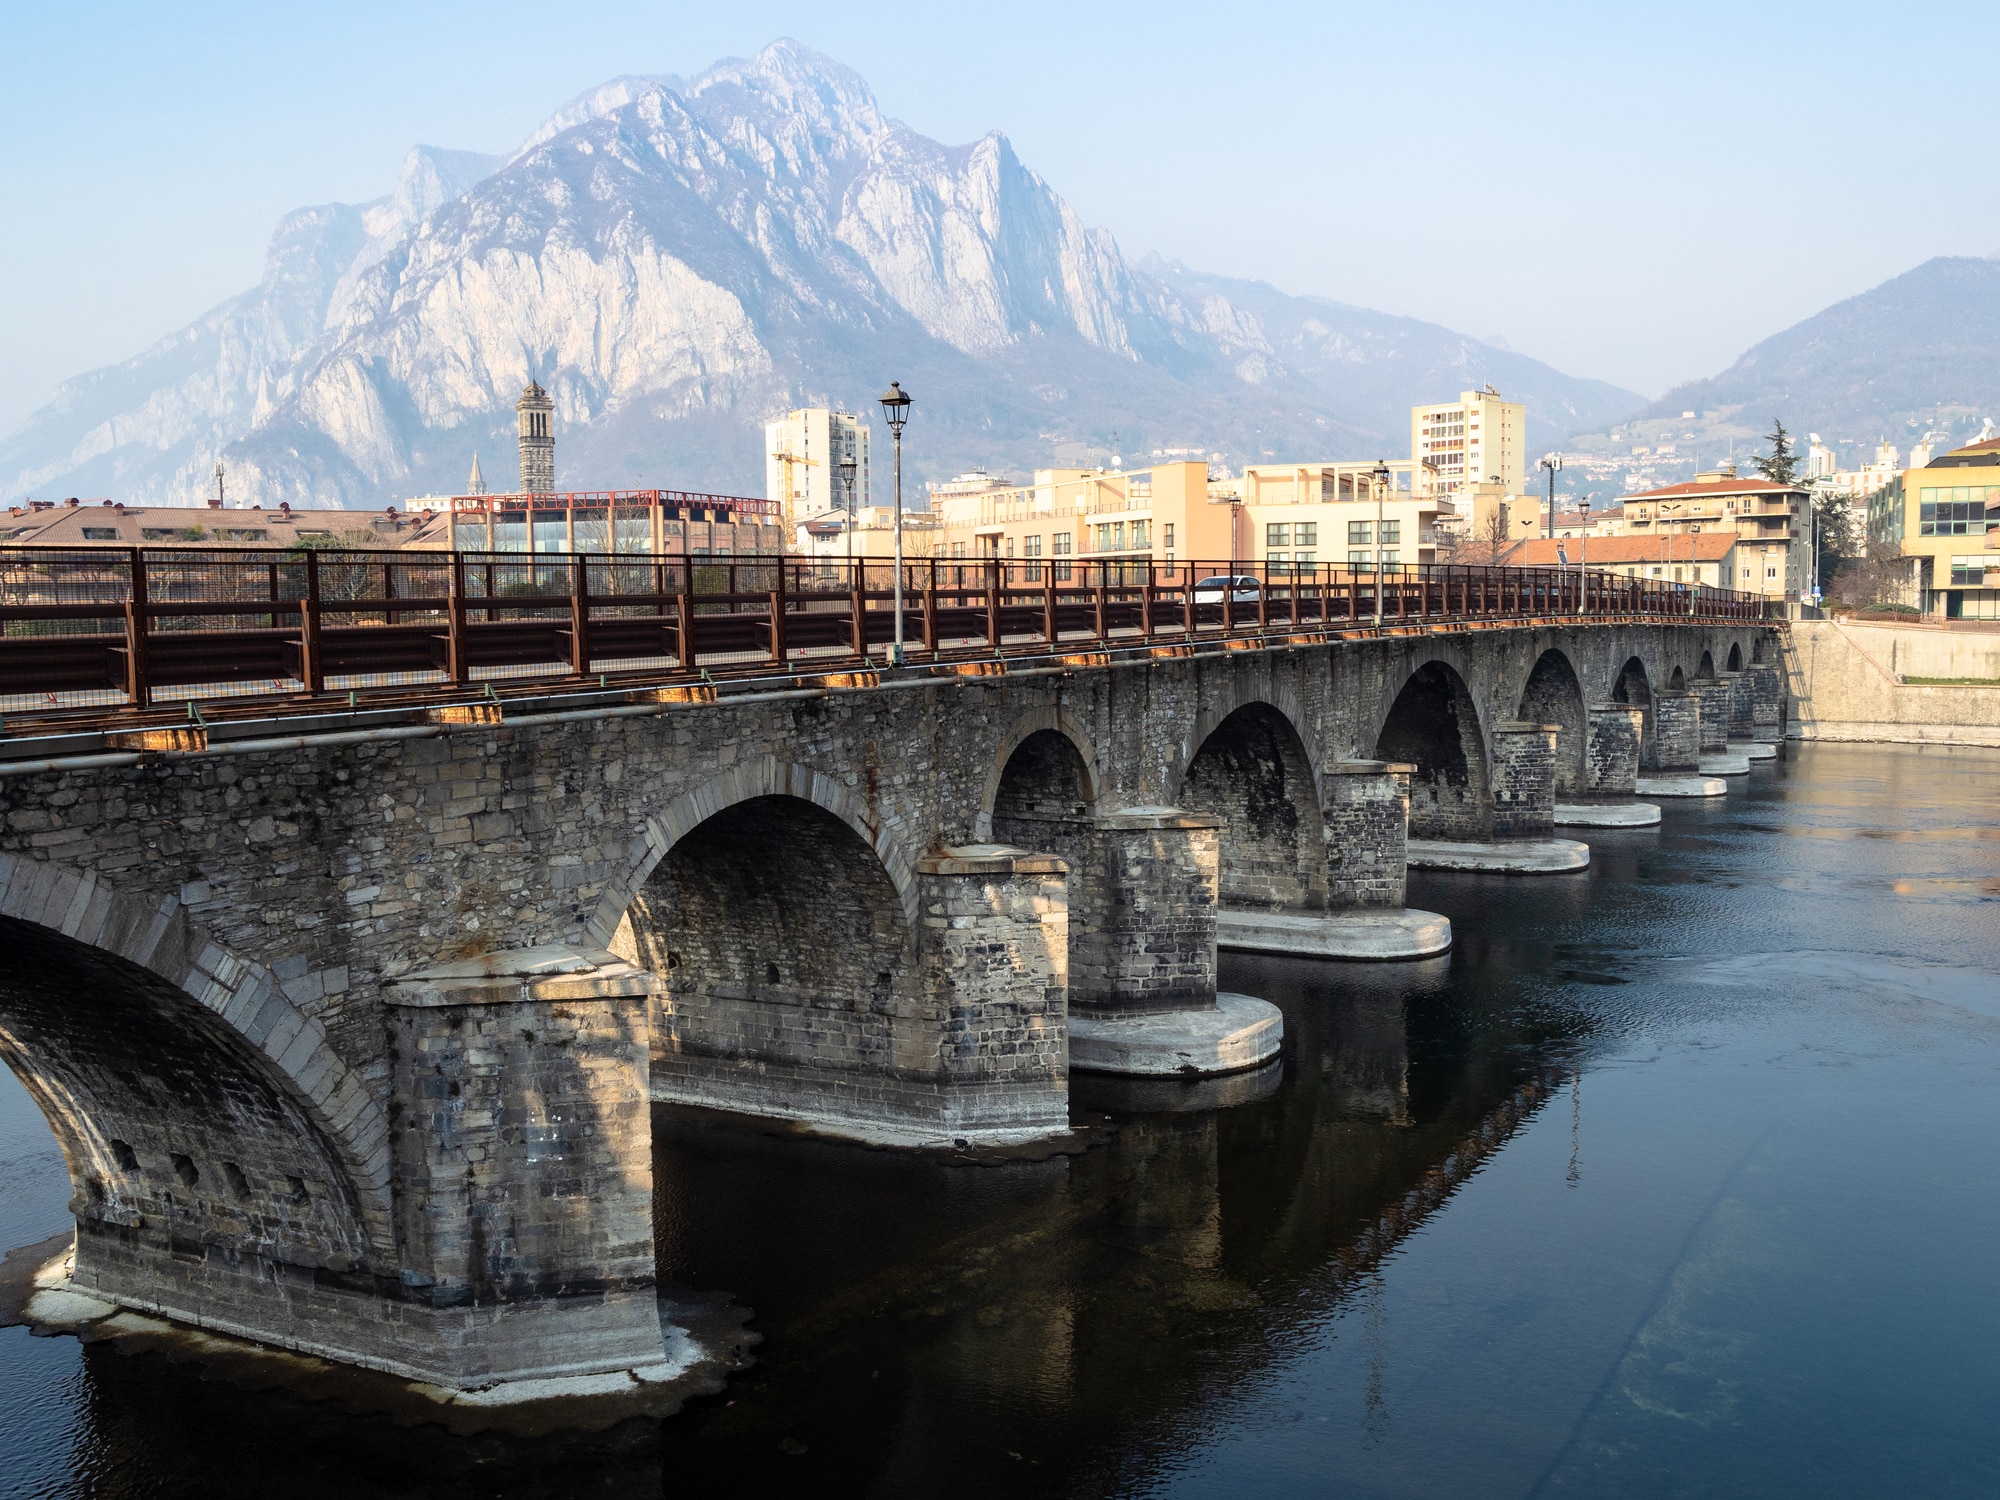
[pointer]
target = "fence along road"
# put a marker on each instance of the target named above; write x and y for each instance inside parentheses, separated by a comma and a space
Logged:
(101, 638)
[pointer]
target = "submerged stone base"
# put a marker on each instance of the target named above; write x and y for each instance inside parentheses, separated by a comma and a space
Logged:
(1754, 749)
(1509, 857)
(1367, 934)
(355, 1320)
(1725, 763)
(1239, 1033)
(1682, 785)
(1606, 814)
(879, 1108)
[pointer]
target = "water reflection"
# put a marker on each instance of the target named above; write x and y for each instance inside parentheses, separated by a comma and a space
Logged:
(1189, 1304)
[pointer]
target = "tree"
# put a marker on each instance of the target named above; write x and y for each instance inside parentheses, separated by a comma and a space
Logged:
(1781, 464)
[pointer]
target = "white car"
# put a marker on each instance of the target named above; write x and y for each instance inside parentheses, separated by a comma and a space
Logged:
(1242, 589)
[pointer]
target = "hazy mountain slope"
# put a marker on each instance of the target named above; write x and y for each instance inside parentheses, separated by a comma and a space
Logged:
(1920, 350)
(677, 262)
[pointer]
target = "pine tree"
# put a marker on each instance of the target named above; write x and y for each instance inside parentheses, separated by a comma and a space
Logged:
(1781, 465)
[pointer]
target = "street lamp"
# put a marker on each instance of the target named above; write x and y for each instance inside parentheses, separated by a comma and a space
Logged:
(847, 468)
(896, 411)
(1552, 462)
(1380, 474)
(1583, 557)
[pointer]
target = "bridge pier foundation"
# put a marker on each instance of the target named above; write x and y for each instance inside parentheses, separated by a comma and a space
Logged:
(1611, 760)
(1712, 724)
(1677, 741)
(1767, 699)
(1742, 705)
(970, 1043)
(1366, 814)
(1523, 789)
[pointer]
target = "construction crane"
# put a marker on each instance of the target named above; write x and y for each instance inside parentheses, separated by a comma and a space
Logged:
(788, 458)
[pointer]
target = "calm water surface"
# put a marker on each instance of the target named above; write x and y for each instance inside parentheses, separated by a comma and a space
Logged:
(1677, 1178)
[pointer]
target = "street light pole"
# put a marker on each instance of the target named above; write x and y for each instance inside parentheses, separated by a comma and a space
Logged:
(1552, 462)
(896, 411)
(1583, 558)
(847, 468)
(1380, 474)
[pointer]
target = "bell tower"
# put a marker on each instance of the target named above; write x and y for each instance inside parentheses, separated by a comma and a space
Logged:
(536, 414)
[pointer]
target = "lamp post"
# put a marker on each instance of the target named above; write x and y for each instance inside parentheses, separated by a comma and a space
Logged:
(1380, 474)
(896, 411)
(1583, 558)
(847, 468)
(1553, 462)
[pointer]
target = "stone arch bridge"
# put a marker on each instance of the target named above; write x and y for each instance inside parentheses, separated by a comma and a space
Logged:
(350, 1038)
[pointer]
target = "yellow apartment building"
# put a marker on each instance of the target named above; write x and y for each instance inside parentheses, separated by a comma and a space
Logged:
(1945, 517)
(1163, 513)
(1710, 557)
(1767, 520)
(1477, 439)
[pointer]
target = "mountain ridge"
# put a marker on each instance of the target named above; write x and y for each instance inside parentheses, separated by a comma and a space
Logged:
(677, 262)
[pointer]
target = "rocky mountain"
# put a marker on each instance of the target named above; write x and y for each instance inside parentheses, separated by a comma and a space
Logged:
(1917, 353)
(678, 262)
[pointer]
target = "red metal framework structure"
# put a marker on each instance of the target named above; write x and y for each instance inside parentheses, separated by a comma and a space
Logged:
(114, 632)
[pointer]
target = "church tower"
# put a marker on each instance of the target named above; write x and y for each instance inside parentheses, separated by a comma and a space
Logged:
(538, 440)
(475, 483)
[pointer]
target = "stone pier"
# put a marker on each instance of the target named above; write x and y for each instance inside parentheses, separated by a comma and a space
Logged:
(1767, 696)
(1611, 765)
(1713, 694)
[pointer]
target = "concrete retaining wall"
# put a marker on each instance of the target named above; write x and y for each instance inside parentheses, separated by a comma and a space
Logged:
(1844, 687)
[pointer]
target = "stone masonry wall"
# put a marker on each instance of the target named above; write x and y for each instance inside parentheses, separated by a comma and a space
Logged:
(1714, 693)
(1367, 830)
(1612, 767)
(1524, 796)
(1677, 729)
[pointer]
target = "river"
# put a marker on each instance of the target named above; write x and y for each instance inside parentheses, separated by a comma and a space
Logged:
(1677, 1177)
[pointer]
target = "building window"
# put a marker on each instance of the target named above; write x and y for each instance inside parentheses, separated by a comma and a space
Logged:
(1359, 533)
(1142, 534)
(100, 533)
(1277, 534)
(1059, 544)
(1304, 559)
(1958, 511)
(1968, 572)
(1391, 557)
(1278, 561)
(1167, 536)
(1306, 534)
(1392, 531)
(1031, 546)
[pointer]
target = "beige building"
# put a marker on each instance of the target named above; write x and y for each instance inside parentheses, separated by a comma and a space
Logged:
(1712, 557)
(1765, 518)
(1066, 515)
(872, 536)
(43, 523)
(1945, 518)
(803, 454)
(1477, 439)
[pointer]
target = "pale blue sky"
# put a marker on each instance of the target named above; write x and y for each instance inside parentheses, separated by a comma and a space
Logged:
(1634, 193)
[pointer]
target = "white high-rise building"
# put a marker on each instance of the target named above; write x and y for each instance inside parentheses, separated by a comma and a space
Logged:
(803, 453)
(1477, 439)
(1821, 461)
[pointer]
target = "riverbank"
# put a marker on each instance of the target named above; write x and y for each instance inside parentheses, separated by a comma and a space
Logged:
(1900, 684)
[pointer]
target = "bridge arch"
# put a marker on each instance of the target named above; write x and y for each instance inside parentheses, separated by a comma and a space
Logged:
(1252, 769)
(765, 776)
(1433, 725)
(1635, 687)
(1735, 657)
(1553, 695)
(192, 1099)
(1677, 679)
(1705, 671)
(1045, 757)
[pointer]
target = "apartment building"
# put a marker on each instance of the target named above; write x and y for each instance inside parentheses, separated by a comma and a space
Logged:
(1163, 513)
(1710, 557)
(804, 451)
(1766, 519)
(102, 523)
(1945, 518)
(1477, 439)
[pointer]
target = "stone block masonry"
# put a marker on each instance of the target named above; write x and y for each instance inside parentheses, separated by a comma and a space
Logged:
(1611, 762)
(1367, 818)
(228, 975)
(1767, 698)
(1742, 704)
(1714, 694)
(1524, 780)
(1677, 730)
